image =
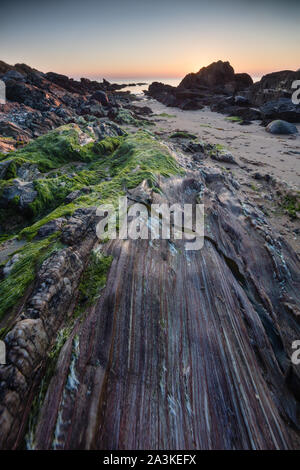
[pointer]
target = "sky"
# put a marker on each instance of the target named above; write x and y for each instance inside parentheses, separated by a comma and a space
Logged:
(154, 38)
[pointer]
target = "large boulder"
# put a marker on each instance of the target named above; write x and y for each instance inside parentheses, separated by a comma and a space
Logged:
(281, 127)
(217, 76)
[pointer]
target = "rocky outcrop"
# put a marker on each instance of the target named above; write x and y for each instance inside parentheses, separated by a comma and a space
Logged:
(38, 102)
(218, 77)
(233, 94)
(202, 88)
(273, 87)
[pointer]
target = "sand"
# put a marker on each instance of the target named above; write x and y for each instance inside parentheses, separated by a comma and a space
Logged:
(278, 156)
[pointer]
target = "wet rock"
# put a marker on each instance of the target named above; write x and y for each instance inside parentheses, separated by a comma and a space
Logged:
(281, 127)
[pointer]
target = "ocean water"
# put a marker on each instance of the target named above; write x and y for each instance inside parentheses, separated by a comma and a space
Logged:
(138, 89)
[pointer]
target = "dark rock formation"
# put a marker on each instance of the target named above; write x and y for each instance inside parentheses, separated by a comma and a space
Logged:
(219, 87)
(202, 88)
(273, 86)
(283, 108)
(218, 77)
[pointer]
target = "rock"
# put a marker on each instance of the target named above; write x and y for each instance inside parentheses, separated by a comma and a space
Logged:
(194, 147)
(29, 95)
(241, 100)
(20, 192)
(101, 96)
(107, 129)
(82, 221)
(283, 108)
(203, 88)
(4, 166)
(10, 129)
(142, 110)
(247, 113)
(51, 227)
(243, 81)
(281, 127)
(223, 156)
(28, 172)
(9, 265)
(273, 87)
(13, 75)
(216, 76)
(72, 196)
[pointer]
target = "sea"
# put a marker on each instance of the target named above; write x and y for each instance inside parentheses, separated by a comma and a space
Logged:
(139, 89)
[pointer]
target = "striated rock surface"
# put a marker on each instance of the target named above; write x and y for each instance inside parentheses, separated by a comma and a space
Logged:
(180, 349)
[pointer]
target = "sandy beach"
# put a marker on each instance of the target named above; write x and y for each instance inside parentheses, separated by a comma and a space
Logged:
(250, 144)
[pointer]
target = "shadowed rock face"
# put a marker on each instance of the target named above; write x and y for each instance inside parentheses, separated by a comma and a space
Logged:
(205, 87)
(273, 86)
(183, 350)
(216, 76)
